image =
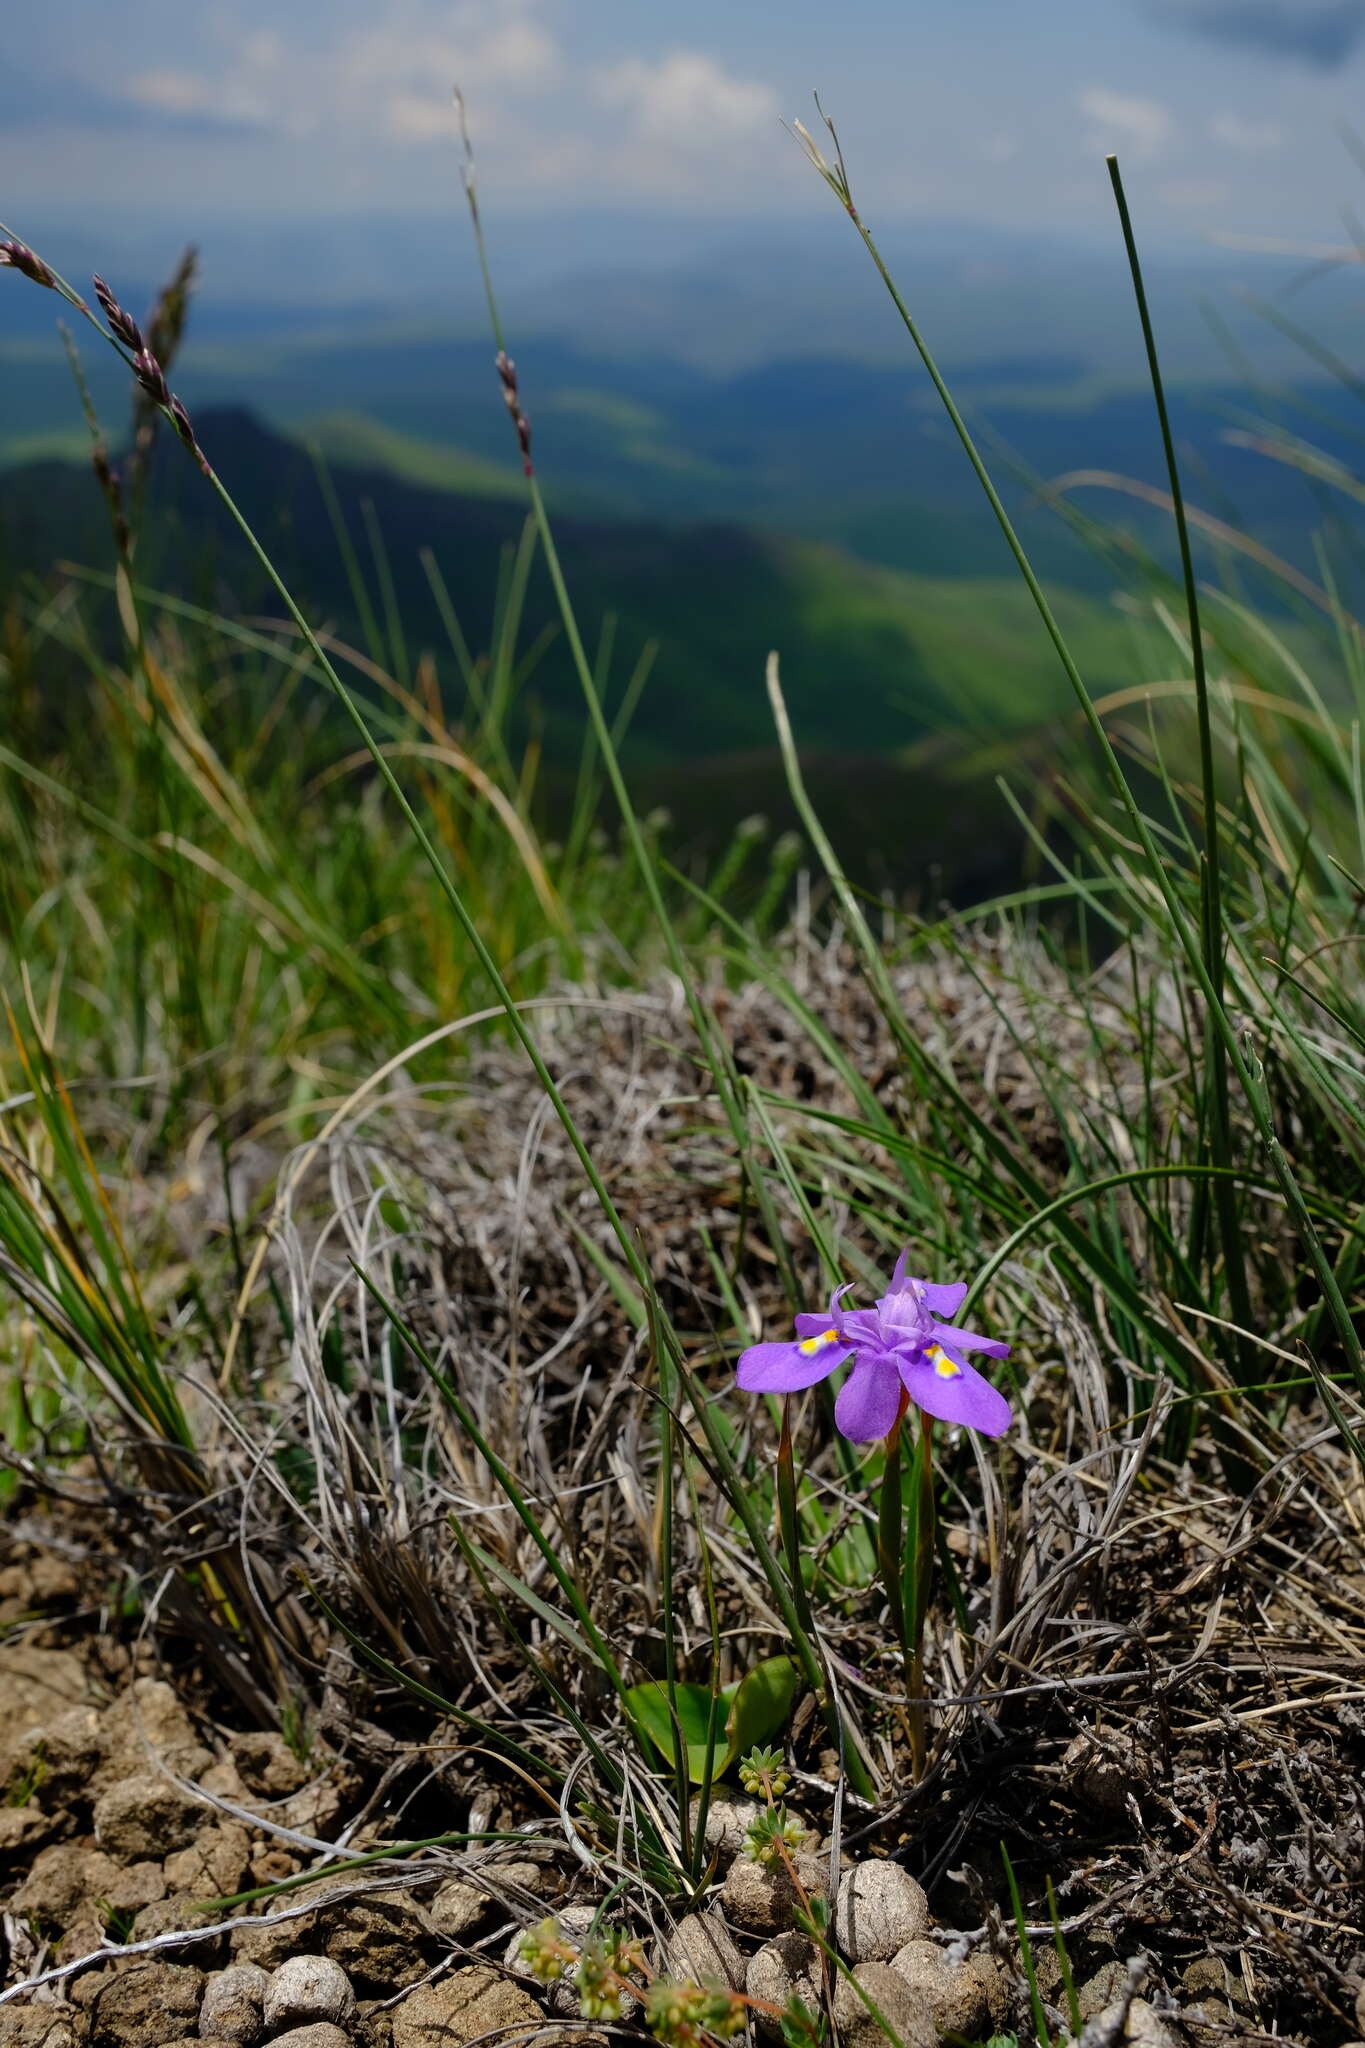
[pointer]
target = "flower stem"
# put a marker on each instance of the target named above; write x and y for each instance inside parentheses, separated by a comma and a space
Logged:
(917, 1586)
(890, 1527)
(788, 1521)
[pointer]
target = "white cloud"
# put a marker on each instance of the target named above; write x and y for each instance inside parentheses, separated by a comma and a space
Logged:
(686, 99)
(175, 92)
(675, 123)
(1235, 131)
(399, 77)
(393, 80)
(1195, 195)
(191, 96)
(1120, 121)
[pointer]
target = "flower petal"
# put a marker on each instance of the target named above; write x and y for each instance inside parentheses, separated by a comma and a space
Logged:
(870, 1399)
(969, 1340)
(862, 1326)
(809, 1324)
(835, 1299)
(903, 1320)
(945, 1385)
(787, 1368)
(944, 1298)
(941, 1298)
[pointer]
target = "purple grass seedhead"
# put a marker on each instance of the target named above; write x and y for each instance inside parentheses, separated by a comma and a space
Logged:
(163, 332)
(166, 321)
(151, 377)
(902, 1350)
(180, 420)
(122, 325)
(511, 398)
(18, 256)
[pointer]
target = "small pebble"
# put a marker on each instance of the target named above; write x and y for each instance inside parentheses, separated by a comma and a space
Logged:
(461, 1905)
(307, 1988)
(780, 1971)
(956, 1994)
(233, 1999)
(727, 1823)
(700, 1948)
(878, 1909)
(1103, 1988)
(906, 2012)
(322, 2034)
(762, 1899)
(1142, 2027)
(1147, 2029)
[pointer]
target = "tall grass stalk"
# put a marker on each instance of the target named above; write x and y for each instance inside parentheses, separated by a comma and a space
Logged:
(1242, 1060)
(1211, 864)
(671, 1361)
(673, 1373)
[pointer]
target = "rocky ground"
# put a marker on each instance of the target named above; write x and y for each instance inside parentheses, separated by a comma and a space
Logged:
(1159, 1705)
(128, 1818)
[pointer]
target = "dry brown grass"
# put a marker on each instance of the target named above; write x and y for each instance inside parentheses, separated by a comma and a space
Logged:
(1158, 1695)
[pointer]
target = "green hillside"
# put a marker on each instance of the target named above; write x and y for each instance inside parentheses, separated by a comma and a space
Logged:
(873, 659)
(896, 683)
(358, 440)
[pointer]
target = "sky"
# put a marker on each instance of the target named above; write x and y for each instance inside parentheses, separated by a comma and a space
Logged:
(1226, 114)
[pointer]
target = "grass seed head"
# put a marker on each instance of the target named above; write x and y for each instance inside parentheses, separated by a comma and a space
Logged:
(151, 377)
(184, 427)
(122, 325)
(511, 398)
(18, 256)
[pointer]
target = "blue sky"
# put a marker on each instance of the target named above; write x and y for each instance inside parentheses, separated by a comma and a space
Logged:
(1226, 112)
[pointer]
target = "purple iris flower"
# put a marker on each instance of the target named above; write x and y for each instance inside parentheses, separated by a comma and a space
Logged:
(904, 1345)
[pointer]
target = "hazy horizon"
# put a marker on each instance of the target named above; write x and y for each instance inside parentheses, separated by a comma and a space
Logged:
(1227, 112)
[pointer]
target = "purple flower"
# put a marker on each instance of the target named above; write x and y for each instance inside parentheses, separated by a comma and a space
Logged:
(902, 1346)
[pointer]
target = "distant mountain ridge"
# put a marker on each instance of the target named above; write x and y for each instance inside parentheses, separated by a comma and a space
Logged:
(877, 666)
(863, 648)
